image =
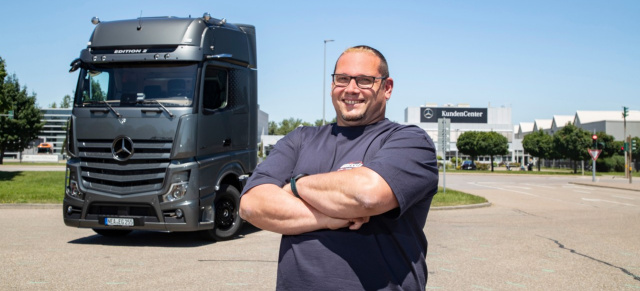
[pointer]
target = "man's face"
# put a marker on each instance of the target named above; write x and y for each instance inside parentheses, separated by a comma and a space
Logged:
(355, 106)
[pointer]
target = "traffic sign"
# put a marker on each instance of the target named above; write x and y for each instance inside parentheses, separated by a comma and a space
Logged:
(444, 136)
(594, 154)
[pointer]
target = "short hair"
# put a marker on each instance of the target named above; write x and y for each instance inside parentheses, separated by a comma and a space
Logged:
(383, 69)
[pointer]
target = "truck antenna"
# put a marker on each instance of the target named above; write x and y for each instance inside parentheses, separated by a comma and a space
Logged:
(140, 21)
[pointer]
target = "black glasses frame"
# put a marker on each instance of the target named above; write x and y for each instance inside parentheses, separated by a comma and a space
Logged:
(358, 80)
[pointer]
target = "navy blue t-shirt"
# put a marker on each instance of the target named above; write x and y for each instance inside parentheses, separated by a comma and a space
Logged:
(389, 251)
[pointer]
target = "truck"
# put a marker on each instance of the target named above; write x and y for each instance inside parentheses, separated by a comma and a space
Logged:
(45, 148)
(163, 130)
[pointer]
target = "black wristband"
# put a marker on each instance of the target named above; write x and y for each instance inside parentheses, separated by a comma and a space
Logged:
(294, 190)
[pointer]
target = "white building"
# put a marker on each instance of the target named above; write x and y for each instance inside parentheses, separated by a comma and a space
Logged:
(559, 121)
(465, 118)
(542, 124)
(610, 122)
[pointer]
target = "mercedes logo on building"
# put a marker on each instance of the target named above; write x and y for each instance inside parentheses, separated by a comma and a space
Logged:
(122, 148)
(427, 113)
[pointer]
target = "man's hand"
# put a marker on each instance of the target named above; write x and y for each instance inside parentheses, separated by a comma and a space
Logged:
(336, 223)
(355, 193)
(271, 208)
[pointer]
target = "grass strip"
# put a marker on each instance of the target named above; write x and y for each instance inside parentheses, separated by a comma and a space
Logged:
(31, 187)
(454, 197)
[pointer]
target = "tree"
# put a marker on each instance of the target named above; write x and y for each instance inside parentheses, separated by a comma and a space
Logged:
(53, 105)
(288, 125)
(467, 144)
(4, 105)
(538, 144)
(17, 132)
(273, 127)
(572, 143)
(491, 144)
(66, 101)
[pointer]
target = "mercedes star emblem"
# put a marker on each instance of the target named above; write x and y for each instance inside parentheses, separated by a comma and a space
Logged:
(428, 113)
(122, 148)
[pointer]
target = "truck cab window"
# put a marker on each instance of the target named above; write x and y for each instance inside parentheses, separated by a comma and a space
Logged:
(215, 93)
(129, 85)
(95, 86)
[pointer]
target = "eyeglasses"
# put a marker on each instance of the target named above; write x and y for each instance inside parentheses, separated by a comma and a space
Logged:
(363, 82)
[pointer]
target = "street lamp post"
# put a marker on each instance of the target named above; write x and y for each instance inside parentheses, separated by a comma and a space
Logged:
(324, 79)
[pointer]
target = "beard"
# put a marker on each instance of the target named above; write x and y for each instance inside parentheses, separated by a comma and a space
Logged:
(352, 117)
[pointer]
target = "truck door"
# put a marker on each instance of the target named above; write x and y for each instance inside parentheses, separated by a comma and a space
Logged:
(224, 118)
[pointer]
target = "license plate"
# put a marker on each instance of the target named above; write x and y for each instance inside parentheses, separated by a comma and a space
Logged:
(118, 221)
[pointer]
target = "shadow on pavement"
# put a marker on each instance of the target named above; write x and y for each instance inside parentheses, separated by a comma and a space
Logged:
(158, 239)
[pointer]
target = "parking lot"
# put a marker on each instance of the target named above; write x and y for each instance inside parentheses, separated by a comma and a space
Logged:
(540, 233)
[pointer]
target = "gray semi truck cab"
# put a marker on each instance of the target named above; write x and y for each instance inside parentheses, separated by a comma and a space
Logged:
(163, 132)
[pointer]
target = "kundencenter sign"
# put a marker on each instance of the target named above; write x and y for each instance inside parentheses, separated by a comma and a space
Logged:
(457, 115)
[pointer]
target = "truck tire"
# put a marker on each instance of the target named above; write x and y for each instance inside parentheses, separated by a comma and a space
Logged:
(227, 218)
(112, 232)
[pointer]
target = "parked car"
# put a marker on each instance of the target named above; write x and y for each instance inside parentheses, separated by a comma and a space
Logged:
(468, 165)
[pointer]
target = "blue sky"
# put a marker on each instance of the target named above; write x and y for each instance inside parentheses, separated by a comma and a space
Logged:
(541, 58)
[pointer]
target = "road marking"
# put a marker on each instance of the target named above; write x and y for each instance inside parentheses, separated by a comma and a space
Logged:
(600, 200)
(521, 192)
(577, 187)
(622, 197)
(585, 192)
(519, 187)
(503, 189)
(543, 186)
(480, 287)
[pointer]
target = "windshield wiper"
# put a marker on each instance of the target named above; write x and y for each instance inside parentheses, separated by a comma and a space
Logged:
(153, 101)
(108, 105)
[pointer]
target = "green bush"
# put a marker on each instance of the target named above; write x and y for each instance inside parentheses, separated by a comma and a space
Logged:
(614, 163)
(482, 167)
(454, 159)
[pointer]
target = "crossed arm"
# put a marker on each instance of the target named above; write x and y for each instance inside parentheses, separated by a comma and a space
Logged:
(329, 201)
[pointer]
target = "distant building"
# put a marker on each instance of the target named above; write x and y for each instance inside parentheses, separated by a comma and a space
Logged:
(610, 122)
(542, 124)
(55, 127)
(465, 118)
(54, 131)
(559, 121)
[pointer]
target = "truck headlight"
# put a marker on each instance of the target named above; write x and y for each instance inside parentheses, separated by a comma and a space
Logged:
(74, 191)
(176, 192)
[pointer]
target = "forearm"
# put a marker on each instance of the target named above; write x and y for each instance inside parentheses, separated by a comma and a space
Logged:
(271, 208)
(347, 194)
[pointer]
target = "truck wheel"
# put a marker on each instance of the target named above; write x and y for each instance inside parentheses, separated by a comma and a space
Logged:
(227, 219)
(111, 232)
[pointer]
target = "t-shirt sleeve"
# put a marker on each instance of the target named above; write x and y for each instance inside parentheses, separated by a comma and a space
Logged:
(278, 168)
(407, 162)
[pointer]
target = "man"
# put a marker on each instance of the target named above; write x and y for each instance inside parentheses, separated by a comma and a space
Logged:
(351, 198)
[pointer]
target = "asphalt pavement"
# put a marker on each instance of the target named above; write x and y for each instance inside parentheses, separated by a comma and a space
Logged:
(540, 233)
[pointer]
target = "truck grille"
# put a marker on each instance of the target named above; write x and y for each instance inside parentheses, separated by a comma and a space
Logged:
(144, 171)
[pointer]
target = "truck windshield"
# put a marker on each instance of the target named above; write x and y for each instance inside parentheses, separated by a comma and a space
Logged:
(130, 85)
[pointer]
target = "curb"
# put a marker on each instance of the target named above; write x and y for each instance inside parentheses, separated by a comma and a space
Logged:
(605, 186)
(470, 206)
